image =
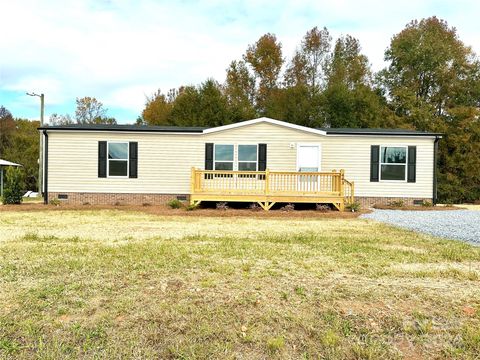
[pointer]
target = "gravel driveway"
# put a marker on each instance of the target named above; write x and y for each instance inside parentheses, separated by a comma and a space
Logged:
(451, 224)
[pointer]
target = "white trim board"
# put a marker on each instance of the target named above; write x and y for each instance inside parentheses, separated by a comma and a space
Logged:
(264, 120)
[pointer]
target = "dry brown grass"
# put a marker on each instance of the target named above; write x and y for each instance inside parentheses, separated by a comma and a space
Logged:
(123, 284)
(200, 212)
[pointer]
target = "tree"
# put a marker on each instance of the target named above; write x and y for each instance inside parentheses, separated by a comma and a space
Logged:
(214, 110)
(91, 111)
(158, 108)
(430, 70)
(265, 58)
(349, 99)
(185, 109)
(24, 150)
(305, 78)
(205, 105)
(295, 105)
(7, 127)
(240, 91)
(433, 82)
(14, 186)
(57, 119)
(308, 65)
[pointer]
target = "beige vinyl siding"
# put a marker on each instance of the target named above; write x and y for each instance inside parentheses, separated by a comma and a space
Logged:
(165, 160)
(353, 155)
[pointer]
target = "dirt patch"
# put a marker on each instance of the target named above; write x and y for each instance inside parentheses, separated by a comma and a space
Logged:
(166, 211)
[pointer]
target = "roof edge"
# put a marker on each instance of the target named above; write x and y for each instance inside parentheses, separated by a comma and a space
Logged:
(385, 133)
(123, 129)
(266, 120)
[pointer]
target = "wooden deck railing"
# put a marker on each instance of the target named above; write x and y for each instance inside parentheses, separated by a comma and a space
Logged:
(349, 191)
(268, 183)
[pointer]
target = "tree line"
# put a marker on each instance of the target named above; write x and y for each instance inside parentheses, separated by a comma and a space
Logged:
(19, 138)
(431, 83)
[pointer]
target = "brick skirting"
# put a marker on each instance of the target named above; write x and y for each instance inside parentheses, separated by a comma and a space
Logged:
(367, 202)
(86, 198)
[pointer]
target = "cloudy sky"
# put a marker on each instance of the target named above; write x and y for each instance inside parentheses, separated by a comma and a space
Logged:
(121, 51)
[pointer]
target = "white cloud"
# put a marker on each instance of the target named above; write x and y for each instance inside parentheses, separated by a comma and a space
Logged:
(118, 51)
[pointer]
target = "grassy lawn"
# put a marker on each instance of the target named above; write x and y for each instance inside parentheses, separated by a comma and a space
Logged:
(124, 284)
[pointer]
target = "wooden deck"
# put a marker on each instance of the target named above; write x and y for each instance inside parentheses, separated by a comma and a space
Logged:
(269, 187)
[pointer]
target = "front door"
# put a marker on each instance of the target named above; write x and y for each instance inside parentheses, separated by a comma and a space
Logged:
(308, 158)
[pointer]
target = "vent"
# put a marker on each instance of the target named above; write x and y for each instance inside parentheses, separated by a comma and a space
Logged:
(417, 202)
(182, 197)
(62, 196)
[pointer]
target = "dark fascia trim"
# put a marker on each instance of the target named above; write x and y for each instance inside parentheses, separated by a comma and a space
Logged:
(121, 129)
(387, 133)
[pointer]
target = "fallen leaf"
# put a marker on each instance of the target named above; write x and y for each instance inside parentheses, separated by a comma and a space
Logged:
(469, 311)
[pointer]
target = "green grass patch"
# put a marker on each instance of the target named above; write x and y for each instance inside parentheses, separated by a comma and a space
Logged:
(119, 284)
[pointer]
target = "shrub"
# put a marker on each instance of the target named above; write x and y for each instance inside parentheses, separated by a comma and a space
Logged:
(322, 207)
(221, 206)
(448, 203)
(355, 206)
(191, 207)
(13, 188)
(55, 202)
(397, 203)
(426, 203)
(175, 204)
(288, 207)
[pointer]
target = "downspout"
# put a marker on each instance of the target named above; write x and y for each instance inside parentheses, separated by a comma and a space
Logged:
(435, 155)
(45, 168)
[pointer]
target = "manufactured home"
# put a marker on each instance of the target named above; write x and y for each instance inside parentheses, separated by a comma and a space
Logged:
(263, 161)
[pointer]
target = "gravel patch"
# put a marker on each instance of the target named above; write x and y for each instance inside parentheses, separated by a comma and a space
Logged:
(461, 225)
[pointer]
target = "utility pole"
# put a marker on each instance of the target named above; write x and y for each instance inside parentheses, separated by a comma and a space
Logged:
(40, 156)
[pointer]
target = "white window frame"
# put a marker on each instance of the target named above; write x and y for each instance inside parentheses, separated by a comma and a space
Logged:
(238, 156)
(297, 168)
(380, 163)
(226, 161)
(128, 160)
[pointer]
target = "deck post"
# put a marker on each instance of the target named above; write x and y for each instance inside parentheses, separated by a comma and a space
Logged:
(267, 181)
(352, 195)
(342, 189)
(192, 185)
(342, 184)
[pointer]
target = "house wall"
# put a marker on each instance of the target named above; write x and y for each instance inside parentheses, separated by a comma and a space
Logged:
(165, 160)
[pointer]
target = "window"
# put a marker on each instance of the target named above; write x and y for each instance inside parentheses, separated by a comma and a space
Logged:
(117, 159)
(223, 157)
(247, 157)
(393, 163)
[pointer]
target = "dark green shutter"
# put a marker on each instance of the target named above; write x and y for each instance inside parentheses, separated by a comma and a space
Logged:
(102, 159)
(412, 164)
(262, 157)
(209, 156)
(133, 160)
(374, 162)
